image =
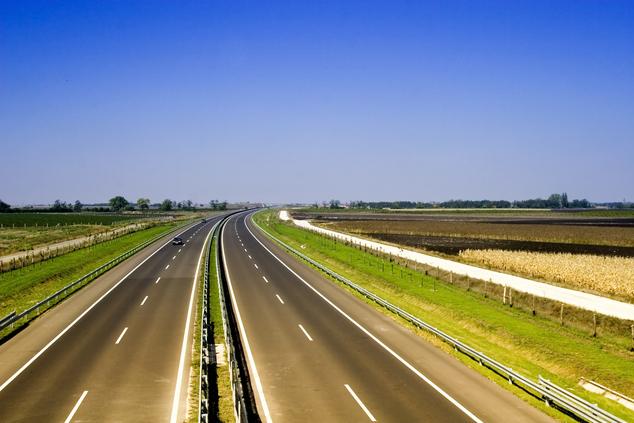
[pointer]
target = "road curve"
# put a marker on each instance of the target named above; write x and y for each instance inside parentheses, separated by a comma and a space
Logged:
(317, 353)
(112, 351)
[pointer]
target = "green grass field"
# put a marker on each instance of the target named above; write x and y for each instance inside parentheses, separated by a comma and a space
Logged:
(24, 287)
(531, 345)
(54, 219)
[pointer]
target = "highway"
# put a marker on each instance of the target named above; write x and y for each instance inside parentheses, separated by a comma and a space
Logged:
(317, 353)
(116, 351)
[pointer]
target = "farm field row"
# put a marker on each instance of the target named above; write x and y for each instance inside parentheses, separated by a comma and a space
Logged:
(54, 219)
(609, 276)
(493, 233)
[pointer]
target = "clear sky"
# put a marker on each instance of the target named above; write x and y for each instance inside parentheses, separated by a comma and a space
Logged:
(313, 100)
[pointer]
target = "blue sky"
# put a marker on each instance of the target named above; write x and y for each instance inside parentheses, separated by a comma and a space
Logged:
(308, 101)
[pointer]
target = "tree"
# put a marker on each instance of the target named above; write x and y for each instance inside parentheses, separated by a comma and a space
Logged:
(166, 205)
(222, 206)
(143, 203)
(4, 207)
(78, 206)
(213, 204)
(564, 201)
(118, 203)
(335, 204)
(61, 206)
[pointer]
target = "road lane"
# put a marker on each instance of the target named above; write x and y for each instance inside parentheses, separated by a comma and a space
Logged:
(132, 379)
(304, 379)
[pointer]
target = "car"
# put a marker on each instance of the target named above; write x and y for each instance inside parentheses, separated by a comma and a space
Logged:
(177, 241)
(204, 220)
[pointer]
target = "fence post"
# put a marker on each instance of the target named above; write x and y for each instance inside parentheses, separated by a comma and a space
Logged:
(594, 324)
(561, 314)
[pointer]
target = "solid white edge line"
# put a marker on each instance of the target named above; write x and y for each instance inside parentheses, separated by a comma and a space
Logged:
(372, 336)
(121, 336)
(74, 322)
(144, 300)
(279, 298)
(76, 407)
(245, 340)
(305, 332)
(361, 404)
(181, 364)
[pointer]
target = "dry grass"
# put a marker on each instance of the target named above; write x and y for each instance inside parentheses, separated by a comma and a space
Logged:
(613, 276)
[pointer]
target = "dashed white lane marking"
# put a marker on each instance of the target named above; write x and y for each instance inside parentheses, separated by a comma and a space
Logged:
(361, 404)
(245, 250)
(265, 279)
(256, 266)
(174, 258)
(279, 298)
(250, 258)
(179, 250)
(76, 407)
(144, 300)
(121, 336)
(167, 267)
(158, 279)
(305, 332)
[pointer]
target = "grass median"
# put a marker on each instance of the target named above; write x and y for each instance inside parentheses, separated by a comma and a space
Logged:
(20, 289)
(531, 345)
(225, 395)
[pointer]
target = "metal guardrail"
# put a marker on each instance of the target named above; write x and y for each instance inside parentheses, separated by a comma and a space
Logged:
(7, 318)
(207, 382)
(552, 394)
(88, 277)
(583, 405)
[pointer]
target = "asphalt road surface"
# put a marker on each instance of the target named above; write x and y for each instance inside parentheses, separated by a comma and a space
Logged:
(317, 353)
(116, 351)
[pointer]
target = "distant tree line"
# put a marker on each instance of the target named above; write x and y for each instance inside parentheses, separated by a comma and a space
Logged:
(554, 201)
(116, 204)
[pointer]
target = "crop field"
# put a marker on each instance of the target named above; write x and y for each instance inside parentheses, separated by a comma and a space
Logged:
(450, 236)
(612, 276)
(11, 220)
(593, 254)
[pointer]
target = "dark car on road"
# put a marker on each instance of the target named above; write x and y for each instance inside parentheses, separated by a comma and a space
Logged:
(177, 241)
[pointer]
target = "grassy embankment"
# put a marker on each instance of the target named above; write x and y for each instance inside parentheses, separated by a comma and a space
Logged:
(532, 345)
(19, 289)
